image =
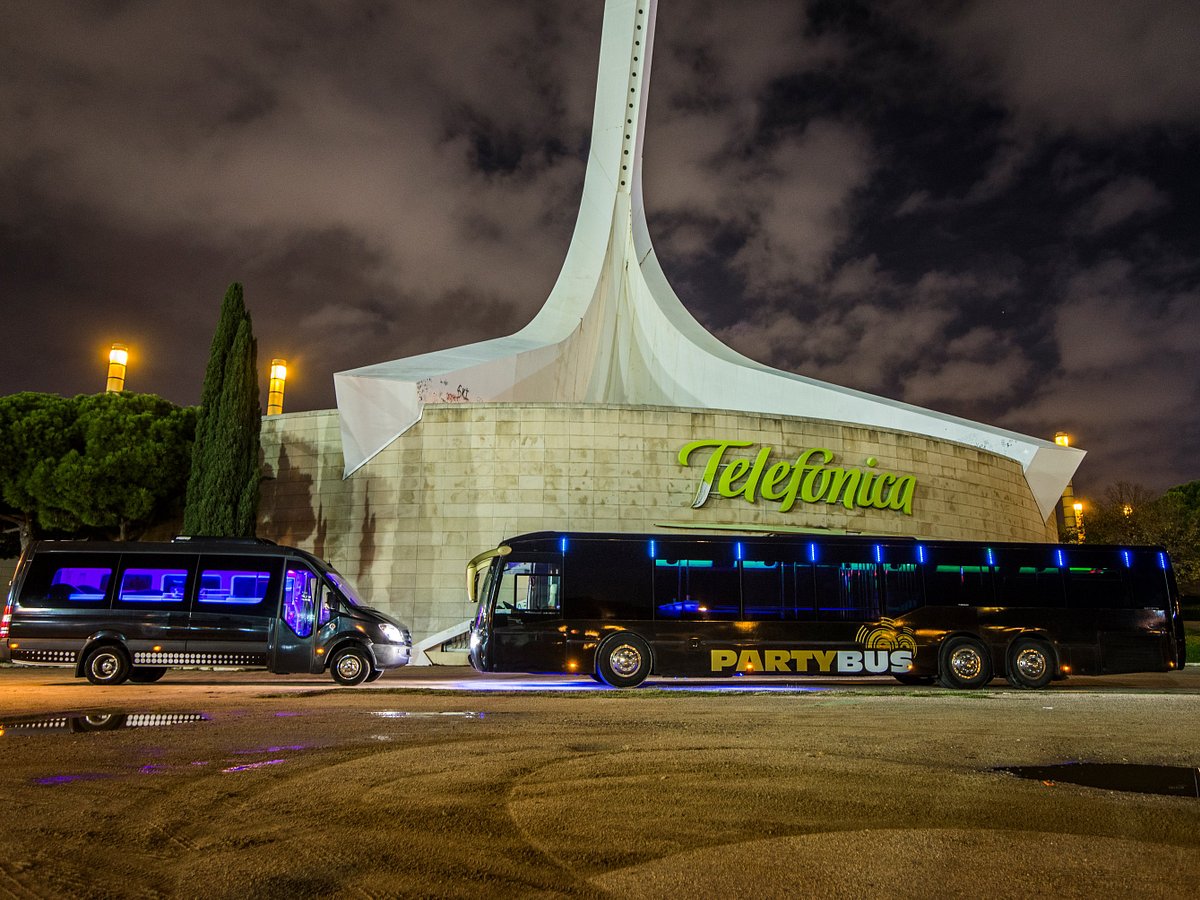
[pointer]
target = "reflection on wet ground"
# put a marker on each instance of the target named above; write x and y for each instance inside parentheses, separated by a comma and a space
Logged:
(397, 714)
(76, 723)
(1172, 781)
(552, 684)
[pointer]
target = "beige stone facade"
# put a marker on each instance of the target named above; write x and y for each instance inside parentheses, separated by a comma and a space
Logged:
(468, 475)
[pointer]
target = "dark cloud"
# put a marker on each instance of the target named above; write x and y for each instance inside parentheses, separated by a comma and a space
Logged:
(987, 208)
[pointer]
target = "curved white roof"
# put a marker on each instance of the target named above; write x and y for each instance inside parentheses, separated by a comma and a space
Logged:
(613, 330)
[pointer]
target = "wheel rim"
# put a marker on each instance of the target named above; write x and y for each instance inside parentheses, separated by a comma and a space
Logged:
(625, 660)
(105, 666)
(966, 663)
(349, 666)
(1031, 663)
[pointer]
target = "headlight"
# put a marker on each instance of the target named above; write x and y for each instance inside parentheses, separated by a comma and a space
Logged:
(391, 633)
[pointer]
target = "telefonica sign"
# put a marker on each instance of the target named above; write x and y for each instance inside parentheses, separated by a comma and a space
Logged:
(810, 479)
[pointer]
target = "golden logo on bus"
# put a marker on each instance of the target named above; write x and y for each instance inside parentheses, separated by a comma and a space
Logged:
(887, 649)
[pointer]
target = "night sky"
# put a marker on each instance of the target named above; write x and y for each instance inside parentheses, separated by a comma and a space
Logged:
(987, 208)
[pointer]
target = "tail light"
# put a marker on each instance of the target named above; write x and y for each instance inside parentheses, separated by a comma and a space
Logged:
(6, 621)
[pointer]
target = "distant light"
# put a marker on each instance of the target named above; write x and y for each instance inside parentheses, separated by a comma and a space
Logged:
(1078, 507)
(118, 361)
(1062, 439)
(275, 387)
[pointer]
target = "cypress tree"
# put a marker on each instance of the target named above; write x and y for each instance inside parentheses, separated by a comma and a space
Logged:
(222, 492)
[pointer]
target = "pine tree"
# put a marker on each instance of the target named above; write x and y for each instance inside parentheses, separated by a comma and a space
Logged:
(222, 492)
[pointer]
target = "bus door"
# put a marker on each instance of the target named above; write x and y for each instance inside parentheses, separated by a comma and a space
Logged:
(308, 606)
(234, 604)
(528, 633)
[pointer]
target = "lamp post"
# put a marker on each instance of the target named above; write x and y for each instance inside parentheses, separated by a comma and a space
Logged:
(275, 387)
(1068, 511)
(118, 359)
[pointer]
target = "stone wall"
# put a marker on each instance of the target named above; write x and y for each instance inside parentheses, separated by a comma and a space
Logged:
(468, 475)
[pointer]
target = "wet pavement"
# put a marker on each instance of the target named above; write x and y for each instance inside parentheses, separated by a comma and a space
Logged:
(435, 782)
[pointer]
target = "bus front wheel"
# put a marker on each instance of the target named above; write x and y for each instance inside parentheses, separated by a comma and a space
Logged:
(623, 660)
(107, 664)
(350, 666)
(966, 664)
(1030, 664)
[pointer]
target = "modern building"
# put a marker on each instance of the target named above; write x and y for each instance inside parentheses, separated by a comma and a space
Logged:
(614, 410)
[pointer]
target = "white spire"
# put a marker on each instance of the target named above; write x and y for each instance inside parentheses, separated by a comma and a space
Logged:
(613, 331)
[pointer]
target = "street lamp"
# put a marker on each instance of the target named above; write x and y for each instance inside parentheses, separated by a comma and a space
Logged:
(275, 387)
(1062, 439)
(118, 359)
(1078, 507)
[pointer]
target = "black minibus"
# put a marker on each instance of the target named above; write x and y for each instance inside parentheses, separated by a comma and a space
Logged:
(129, 611)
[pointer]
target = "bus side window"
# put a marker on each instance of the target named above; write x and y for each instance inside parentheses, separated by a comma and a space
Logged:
(1147, 579)
(697, 589)
(529, 588)
(68, 581)
(1028, 578)
(1095, 580)
(954, 576)
(902, 587)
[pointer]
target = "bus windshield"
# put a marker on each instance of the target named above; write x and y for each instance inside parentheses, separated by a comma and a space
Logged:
(345, 588)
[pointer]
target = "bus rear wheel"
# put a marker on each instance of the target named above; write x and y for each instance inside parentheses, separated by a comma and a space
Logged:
(107, 664)
(966, 664)
(623, 660)
(1030, 664)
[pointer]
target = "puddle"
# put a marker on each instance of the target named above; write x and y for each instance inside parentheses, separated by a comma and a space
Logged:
(1172, 781)
(76, 724)
(397, 714)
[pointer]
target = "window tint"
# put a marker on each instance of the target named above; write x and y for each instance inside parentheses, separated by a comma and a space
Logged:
(954, 576)
(241, 585)
(1029, 577)
(1147, 579)
(154, 581)
(300, 590)
(530, 588)
(903, 589)
(601, 581)
(1096, 579)
(847, 583)
(705, 589)
(68, 581)
(765, 594)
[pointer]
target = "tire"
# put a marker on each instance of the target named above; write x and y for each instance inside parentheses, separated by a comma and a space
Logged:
(107, 664)
(350, 666)
(623, 660)
(1030, 664)
(375, 675)
(146, 674)
(966, 664)
(905, 678)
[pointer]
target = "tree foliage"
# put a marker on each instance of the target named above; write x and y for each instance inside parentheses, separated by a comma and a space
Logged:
(108, 463)
(1133, 514)
(222, 490)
